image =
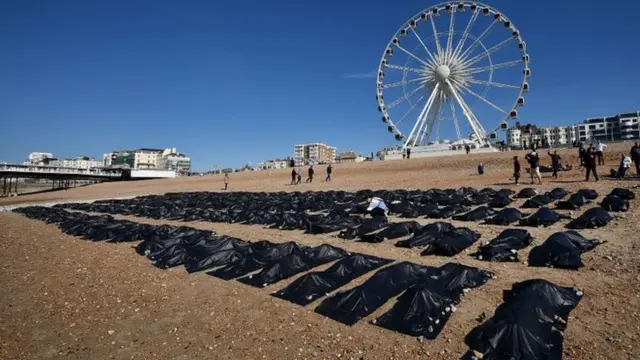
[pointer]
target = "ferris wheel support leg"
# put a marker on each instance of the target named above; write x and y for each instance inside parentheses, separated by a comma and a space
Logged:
(478, 130)
(421, 117)
(434, 116)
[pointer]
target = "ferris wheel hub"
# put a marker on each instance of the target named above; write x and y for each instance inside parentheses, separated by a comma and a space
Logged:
(442, 72)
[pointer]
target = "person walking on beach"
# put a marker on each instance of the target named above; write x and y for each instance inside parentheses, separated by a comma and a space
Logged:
(226, 181)
(591, 163)
(600, 152)
(310, 172)
(516, 169)
(408, 153)
(329, 171)
(299, 177)
(534, 166)
(294, 174)
(555, 163)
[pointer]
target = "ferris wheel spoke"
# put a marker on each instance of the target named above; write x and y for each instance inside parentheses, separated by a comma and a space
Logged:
(405, 68)
(465, 88)
(471, 71)
(436, 39)
(410, 110)
(491, 83)
(491, 50)
(413, 56)
(475, 43)
(405, 97)
(449, 49)
(465, 34)
(432, 62)
(476, 127)
(452, 108)
(423, 113)
(403, 83)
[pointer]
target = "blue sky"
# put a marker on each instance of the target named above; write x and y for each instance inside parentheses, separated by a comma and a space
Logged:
(239, 81)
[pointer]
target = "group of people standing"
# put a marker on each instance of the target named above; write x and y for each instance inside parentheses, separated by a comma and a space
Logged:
(296, 175)
(590, 158)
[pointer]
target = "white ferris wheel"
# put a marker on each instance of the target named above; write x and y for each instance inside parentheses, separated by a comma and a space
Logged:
(449, 63)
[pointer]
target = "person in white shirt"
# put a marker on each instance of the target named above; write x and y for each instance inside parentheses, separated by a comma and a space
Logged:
(625, 163)
(600, 152)
(377, 207)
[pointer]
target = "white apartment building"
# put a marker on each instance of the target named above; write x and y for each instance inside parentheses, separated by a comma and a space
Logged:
(176, 161)
(273, 164)
(519, 136)
(314, 153)
(37, 158)
(148, 158)
(81, 162)
(624, 126)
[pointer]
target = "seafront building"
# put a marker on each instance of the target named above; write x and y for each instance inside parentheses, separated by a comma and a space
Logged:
(314, 153)
(149, 158)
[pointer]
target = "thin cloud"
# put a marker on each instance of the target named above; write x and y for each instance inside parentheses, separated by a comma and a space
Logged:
(368, 75)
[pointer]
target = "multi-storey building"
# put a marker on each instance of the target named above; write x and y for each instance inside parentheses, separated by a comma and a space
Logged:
(82, 162)
(349, 157)
(120, 158)
(315, 153)
(273, 164)
(38, 158)
(149, 158)
(525, 135)
(624, 126)
(176, 161)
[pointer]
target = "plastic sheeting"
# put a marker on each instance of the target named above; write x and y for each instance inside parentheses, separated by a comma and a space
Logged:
(615, 203)
(452, 242)
(423, 310)
(393, 231)
(477, 214)
(575, 202)
(528, 325)
(593, 218)
(527, 193)
(426, 235)
(505, 246)
(562, 250)
(626, 194)
(506, 216)
(449, 211)
(314, 285)
(588, 194)
(543, 217)
(368, 226)
(537, 201)
(427, 211)
(220, 252)
(314, 212)
(294, 264)
(261, 255)
(168, 246)
(349, 306)
(500, 201)
(558, 193)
